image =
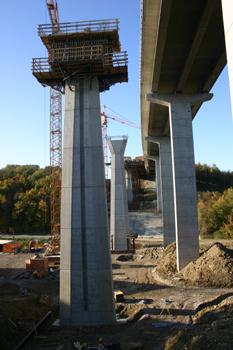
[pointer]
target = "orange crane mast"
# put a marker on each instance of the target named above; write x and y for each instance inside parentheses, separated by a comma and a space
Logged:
(55, 144)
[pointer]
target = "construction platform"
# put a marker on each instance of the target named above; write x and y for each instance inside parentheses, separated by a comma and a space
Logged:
(88, 49)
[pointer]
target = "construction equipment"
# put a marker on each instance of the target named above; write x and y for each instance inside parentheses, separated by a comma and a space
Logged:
(118, 296)
(166, 303)
(55, 147)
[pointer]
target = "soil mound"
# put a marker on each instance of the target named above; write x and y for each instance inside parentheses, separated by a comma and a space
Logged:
(167, 263)
(214, 267)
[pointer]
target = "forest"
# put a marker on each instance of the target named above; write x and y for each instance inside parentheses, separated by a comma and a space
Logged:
(25, 200)
(214, 201)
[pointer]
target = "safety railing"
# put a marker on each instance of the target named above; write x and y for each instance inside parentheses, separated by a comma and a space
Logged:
(116, 59)
(40, 65)
(88, 54)
(79, 27)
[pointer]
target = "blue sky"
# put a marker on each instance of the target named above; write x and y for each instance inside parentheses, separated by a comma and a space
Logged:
(24, 107)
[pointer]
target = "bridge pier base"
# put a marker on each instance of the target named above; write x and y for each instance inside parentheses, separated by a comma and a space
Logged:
(183, 168)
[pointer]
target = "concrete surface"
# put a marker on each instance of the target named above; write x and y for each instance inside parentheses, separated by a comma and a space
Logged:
(86, 287)
(119, 220)
(167, 195)
(146, 224)
(129, 185)
(157, 181)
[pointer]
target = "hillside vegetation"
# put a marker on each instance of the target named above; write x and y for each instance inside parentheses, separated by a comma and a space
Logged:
(25, 200)
(215, 202)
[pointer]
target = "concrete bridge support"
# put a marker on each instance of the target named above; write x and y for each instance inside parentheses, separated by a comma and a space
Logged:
(129, 185)
(86, 288)
(183, 167)
(165, 157)
(158, 181)
(119, 220)
(227, 9)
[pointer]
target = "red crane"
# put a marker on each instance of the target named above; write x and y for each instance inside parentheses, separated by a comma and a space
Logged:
(55, 142)
(105, 148)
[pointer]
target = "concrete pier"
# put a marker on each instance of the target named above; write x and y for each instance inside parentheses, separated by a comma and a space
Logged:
(119, 220)
(86, 287)
(129, 185)
(158, 181)
(183, 169)
(165, 158)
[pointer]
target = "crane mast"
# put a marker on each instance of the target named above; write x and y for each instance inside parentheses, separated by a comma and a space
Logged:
(55, 145)
(53, 12)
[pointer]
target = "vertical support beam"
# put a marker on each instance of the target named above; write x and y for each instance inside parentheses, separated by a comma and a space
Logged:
(135, 187)
(158, 183)
(119, 226)
(183, 166)
(169, 235)
(156, 159)
(129, 185)
(86, 288)
(227, 10)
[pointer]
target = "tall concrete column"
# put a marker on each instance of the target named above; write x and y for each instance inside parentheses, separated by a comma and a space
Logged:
(227, 10)
(119, 220)
(86, 287)
(158, 181)
(169, 233)
(184, 177)
(129, 185)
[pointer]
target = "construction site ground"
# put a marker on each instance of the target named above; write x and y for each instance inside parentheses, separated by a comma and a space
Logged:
(200, 302)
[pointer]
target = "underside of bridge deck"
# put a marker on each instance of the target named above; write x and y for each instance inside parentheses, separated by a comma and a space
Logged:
(182, 52)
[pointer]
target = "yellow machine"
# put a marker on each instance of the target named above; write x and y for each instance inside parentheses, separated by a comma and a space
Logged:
(118, 296)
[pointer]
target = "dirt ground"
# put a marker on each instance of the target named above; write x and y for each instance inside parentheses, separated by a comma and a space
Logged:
(164, 309)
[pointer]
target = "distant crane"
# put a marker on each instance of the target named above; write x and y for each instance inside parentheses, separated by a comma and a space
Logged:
(55, 143)
(105, 148)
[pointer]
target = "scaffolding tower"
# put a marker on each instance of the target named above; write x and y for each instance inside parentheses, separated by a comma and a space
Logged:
(55, 162)
(55, 146)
